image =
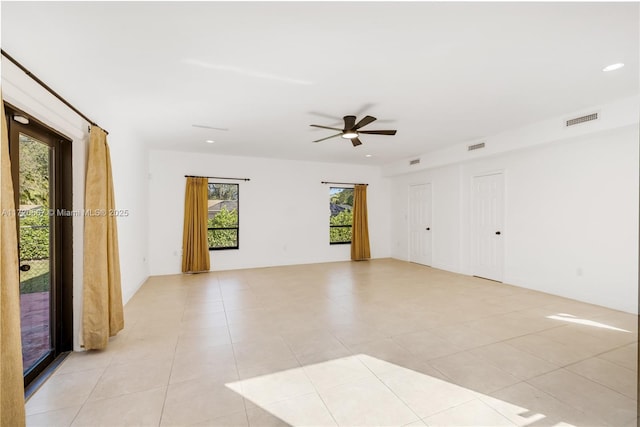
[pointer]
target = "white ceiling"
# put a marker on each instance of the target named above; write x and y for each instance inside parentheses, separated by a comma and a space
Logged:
(439, 73)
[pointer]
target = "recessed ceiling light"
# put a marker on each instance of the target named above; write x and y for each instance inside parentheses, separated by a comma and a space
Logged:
(613, 67)
(368, 155)
(209, 141)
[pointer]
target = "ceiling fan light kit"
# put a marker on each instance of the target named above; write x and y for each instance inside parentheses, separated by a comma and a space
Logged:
(352, 130)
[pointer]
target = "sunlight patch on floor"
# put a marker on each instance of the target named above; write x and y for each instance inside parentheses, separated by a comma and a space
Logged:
(573, 319)
(364, 391)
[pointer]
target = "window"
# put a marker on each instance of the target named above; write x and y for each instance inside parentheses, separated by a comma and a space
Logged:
(223, 216)
(341, 215)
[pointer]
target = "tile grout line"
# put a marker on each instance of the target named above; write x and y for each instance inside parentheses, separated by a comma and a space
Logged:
(317, 392)
(313, 384)
(558, 398)
(391, 390)
(89, 394)
(233, 351)
(593, 380)
(476, 398)
(173, 359)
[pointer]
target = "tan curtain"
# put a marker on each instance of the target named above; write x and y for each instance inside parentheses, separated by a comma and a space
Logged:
(102, 313)
(11, 381)
(360, 226)
(195, 246)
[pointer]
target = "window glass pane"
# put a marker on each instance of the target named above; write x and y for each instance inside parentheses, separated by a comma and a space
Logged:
(340, 208)
(223, 213)
(340, 235)
(223, 238)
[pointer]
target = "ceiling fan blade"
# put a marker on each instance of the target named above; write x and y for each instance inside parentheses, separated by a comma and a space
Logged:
(349, 121)
(326, 116)
(365, 121)
(325, 127)
(366, 107)
(208, 127)
(378, 132)
(356, 142)
(329, 137)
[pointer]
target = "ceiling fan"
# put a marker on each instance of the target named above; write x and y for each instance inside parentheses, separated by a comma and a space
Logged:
(352, 129)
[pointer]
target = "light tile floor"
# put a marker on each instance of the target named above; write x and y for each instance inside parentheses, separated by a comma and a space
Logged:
(372, 343)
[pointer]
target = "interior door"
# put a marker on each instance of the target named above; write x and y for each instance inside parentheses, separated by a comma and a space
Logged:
(420, 239)
(41, 169)
(487, 226)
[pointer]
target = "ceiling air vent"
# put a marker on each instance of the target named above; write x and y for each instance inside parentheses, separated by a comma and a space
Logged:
(414, 162)
(582, 119)
(476, 146)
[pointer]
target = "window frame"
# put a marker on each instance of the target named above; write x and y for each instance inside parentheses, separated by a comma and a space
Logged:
(340, 226)
(237, 227)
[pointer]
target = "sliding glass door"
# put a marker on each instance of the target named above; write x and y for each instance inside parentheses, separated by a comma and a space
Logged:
(41, 168)
(36, 228)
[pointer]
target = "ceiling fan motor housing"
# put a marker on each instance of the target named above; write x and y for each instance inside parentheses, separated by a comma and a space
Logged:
(352, 130)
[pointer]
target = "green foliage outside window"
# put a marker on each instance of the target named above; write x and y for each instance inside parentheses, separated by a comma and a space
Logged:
(34, 172)
(340, 234)
(340, 205)
(223, 191)
(223, 238)
(33, 214)
(34, 235)
(341, 196)
(223, 214)
(34, 191)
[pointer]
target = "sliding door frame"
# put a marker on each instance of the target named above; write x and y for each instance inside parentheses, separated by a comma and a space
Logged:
(61, 240)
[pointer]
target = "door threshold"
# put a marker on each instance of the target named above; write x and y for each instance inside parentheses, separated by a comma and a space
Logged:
(44, 375)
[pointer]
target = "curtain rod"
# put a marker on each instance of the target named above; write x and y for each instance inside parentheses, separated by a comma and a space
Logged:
(217, 177)
(47, 88)
(344, 183)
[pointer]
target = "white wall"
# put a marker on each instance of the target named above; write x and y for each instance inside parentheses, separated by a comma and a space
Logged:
(445, 225)
(571, 224)
(620, 113)
(284, 210)
(129, 162)
(571, 216)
